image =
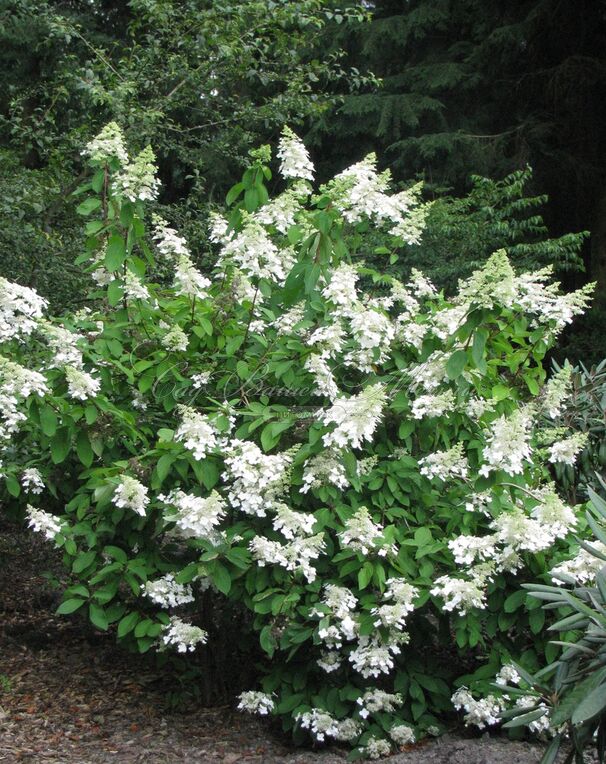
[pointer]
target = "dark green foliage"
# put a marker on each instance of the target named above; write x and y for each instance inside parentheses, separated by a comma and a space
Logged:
(462, 232)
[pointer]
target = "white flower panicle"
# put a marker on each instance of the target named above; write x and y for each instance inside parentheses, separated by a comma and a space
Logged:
(16, 384)
(356, 418)
(253, 252)
(459, 594)
(583, 567)
(63, 344)
(189, 281)
(21, 308)
(341, 290)
(134, 289)
(168, 241)
(363, 535)
(376, 748)
(31, 480)
(373, 332)
(323, 376)
(291, 523)
(481, 713)
(131, 494)
(566, 451)
(508, 675)
(557, 391)
(175, 340)
(167, 592)
(254, 702)
(184, 636)
(402, 734)
(137, 180)
(294, 157)
(257, 479)
(42, 522)
(197, 432)
(433, 405)
(194, 516)
(507, 444)
(80, 384)
(107, 145)
(445, 465)
(325, 467)
(295, 556)
(378, 701)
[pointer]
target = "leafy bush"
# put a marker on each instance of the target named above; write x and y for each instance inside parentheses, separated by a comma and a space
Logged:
(585, 412)
(356, 461)
(565, 700)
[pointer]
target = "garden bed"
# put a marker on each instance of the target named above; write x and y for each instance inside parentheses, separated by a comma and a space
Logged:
(71, 696)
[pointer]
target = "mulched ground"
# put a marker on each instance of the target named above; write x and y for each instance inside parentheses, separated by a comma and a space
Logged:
(68, 695)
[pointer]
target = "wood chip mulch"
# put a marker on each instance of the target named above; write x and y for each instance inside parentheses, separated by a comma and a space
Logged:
(69, 695)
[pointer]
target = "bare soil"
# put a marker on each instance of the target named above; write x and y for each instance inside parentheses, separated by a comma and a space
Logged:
(69, 695)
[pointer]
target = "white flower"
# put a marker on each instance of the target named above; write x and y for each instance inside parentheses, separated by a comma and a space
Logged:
(109, 144)
(168, 241)
(254, 253)
(330, 661)
(320, 723)
(356, 417)
(445, 465)
(459, 594)
(197, 432)
(175, 340)
(258, 479)
(566, 451)
(295, 556)
(63, 344)
(432, 405)
(201, 379)
(402, 734)
(371, 658)
(325, 467)
(508, 675)
(325, 382)
(188, 280)
(363, 535)
(295, 161)
(195, 516)
(31, 480)
(341, 290)
(166, 592)
(583, 567)
(256, 703)
(80, 384)
(43, 522)
(20, 310)
(184, 636)
(373, 332)
(134, 288)
(378, 701)
(137, 181)
(131, 494)
(330, 339)
(467, 549)
(292, 523)
(375, 748)
(481, 713)
(507, 446)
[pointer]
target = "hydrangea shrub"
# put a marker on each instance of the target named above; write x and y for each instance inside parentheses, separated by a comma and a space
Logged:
(356, 460)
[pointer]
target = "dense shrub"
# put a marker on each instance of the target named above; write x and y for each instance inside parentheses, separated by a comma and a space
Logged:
(359, 462)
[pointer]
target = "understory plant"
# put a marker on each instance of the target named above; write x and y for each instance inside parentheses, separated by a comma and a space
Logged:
(565, 701)
(360, 463)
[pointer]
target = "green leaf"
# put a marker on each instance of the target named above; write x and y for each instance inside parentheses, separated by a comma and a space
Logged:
(221, 578)
(117, 554)
(88, 206)
(84, 449)
(127, 624)
(590, 706)
(456, 364)
(97, 616)
(115, 255)
(365, 575)
(477, 349)
(60, 445)
(115, 292)
(83, 560)
(163, 467)
(69, 606)
(48, 421)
